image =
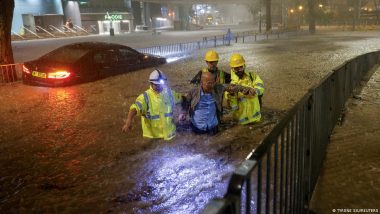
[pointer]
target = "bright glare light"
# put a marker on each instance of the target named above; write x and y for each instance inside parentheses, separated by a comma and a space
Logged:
(59, 75)
(320, 5)
(161, 19)
(291, 10)
(175, 58)
(300, 7)
(25, 69)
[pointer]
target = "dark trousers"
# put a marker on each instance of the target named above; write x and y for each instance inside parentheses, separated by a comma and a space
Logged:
(260, 96)
(211, 131)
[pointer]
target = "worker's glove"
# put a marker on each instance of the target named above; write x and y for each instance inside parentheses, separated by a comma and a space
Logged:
(182, 117)
(249, 92)
(252, 92)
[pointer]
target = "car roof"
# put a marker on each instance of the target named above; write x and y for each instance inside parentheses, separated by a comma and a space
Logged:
(94, 45)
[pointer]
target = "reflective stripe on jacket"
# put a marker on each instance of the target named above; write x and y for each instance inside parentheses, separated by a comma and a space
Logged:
(156, 111)
(220, 78)
(246, 108)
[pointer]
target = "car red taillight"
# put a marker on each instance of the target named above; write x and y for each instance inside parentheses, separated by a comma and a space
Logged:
(25, 69)
(59, 75)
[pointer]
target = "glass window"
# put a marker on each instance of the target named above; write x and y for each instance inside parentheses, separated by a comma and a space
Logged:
(106, 57)
(66, 54)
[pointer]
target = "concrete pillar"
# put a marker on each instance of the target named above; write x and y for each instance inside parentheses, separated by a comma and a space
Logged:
(142, 9)
(71, 11)
(183, 15)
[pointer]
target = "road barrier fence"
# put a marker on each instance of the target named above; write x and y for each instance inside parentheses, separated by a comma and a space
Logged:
(214, 41)
(279, 176)
(10, 73)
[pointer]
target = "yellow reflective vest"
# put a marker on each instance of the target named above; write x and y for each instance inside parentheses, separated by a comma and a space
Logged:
(220, 78)
(246, 108)
(156, 111)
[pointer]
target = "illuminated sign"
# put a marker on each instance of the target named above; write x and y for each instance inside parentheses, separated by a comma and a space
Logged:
(113, 17)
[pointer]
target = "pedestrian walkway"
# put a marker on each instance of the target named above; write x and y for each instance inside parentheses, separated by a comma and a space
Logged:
(350, 177)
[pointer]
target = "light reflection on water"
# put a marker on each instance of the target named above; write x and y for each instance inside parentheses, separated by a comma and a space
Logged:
(176, 58)
(61, 137)
(181, 181)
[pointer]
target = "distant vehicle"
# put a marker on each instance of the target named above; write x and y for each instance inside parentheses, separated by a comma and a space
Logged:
(141, 28)
(84, 62)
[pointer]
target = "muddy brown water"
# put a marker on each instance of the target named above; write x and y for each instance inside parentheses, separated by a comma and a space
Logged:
(62, 149)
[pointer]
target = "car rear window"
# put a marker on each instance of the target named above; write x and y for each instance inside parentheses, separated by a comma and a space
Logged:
(66, 54)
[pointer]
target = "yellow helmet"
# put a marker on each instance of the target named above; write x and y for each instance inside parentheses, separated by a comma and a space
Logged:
(211, 56)
(237, 60)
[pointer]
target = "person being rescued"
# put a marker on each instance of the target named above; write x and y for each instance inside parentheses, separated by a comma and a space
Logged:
(155, 106)
(204, 103)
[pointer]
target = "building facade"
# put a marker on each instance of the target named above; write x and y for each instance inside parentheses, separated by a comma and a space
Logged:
(97, 16)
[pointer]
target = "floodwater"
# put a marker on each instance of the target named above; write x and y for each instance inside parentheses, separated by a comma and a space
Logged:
(62, 149)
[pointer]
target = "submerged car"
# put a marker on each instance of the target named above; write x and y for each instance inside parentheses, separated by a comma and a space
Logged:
(84, 62)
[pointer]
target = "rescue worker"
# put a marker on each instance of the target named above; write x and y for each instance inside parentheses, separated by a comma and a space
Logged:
(155, 106)
(246, 107)
(212, 59)
(204, 103)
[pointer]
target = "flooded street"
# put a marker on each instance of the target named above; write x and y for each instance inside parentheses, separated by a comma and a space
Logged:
(62, 149)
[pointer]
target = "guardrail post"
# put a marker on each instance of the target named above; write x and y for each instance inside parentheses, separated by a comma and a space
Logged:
(214, 41)
(236, 38)
(309, 123)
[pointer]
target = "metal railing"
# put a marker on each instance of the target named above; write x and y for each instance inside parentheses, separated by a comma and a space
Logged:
(28, 31)
(10, 73)
(253, 36)
(209, 42)
(50, 31)
(283, 170)
(39, 28)
(184, 48)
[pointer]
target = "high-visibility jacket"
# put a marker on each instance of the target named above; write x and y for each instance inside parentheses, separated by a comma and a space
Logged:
(246, 108)
(221, 77)
(156, 111)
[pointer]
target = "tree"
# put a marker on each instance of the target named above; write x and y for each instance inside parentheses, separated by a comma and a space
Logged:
(268, 7)
(311, 4)
(377, 5)
(6, 16)
(254, 8)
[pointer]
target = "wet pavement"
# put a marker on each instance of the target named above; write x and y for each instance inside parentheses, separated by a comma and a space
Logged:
(350, 177)
(62, 149)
